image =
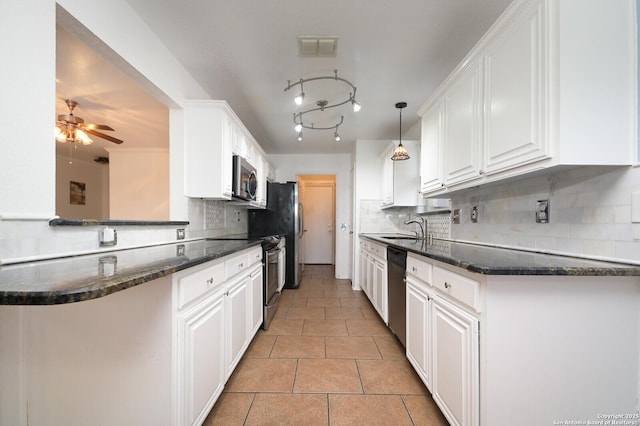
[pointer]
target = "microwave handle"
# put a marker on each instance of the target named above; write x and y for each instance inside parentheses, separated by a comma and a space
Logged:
(252, 185)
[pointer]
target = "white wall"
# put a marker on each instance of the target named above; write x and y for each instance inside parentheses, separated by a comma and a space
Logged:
(95, 176)
(139, 184)
(27, 163)
(27, 175)
(290, 166)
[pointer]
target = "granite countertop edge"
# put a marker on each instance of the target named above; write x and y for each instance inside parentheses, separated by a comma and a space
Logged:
(546, 264)
(94, 287)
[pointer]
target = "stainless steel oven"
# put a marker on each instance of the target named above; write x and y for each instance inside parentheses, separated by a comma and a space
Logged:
(272, 248)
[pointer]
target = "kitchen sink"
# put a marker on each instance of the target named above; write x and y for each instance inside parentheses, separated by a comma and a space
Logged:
(400, 237)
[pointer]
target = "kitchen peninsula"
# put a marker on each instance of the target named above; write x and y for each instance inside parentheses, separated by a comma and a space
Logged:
(140, 336)
(557, 337)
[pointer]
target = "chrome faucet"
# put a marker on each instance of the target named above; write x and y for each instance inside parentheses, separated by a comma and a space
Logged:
(421, 223)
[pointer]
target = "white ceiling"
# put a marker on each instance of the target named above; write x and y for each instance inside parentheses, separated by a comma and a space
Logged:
(105, 95)
(244, 52)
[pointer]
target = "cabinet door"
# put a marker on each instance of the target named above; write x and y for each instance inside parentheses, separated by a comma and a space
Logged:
(201, 360)
(369, 277)
(256, 300)
(380, 289)
(463, 127)
(237, 316)
(431, 150)
(362, 270)
(455, 363)
(419, 329)
(515, 94)
(207, 150)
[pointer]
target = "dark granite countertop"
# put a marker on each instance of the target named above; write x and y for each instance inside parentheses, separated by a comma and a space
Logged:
(79, 278)
(500, 261)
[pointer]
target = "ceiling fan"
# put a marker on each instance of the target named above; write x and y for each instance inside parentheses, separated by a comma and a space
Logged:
(73, 129)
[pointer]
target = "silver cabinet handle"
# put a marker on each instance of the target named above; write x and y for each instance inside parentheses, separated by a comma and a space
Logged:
(414, 269)
(447, 285)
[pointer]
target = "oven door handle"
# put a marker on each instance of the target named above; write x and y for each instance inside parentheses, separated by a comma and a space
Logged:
(274, 251)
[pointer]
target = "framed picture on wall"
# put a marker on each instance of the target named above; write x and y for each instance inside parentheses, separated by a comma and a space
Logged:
(77, 193)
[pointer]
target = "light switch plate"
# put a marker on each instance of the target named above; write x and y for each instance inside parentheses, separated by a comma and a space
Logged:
(455, 217)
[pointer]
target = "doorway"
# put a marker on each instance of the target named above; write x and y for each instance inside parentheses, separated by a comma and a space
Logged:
(318, 197)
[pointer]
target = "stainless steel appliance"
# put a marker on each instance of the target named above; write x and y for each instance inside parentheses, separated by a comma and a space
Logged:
(244, 182)
(396, 280)
(272, 249)
(282, 216)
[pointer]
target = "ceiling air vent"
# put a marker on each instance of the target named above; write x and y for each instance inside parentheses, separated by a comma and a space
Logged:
(314, 46)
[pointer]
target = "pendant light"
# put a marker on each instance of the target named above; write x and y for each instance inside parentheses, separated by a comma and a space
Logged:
(400, 152)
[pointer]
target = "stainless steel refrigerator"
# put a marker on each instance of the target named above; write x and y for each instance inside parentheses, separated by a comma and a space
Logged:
(282, 216)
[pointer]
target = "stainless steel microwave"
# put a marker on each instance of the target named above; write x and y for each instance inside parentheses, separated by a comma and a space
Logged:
(245, 182)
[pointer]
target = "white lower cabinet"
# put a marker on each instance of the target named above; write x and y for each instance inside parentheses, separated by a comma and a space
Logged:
(418, 329)
(442, 341)
(202, 378)
(237, 318)
(455, 383)
(256, 288)
(217, 311)
(373, 276)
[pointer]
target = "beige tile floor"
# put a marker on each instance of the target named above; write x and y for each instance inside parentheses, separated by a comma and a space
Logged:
(327, 359)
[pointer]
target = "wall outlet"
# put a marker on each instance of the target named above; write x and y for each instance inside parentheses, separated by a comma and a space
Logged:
(542, 211)
(180, 233)
(108, 237)
(237, 212)
(474, 214)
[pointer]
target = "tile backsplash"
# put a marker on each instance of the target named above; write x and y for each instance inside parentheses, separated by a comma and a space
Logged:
(590, 213)
(391, 220)
(25, 240)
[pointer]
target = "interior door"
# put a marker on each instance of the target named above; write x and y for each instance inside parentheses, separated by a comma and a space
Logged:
(319, 228)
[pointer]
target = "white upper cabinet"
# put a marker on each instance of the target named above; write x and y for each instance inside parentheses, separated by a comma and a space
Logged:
(515, 98)
(550, 84)
(208, 149)
(430, 159)
(213, 134)
(463, 127)
(401, 179)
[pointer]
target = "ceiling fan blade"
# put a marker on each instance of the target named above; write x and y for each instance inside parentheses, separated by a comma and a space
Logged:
(96, 126)
(103, 136)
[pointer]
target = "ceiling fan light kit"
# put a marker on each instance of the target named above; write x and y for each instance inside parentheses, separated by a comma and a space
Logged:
(73, 129)
(321, 105)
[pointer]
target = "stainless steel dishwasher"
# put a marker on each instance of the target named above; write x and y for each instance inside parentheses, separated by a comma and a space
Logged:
(396, 267)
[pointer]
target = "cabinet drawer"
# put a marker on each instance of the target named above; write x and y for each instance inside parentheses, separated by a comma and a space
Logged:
(255, 255)
(198, 283)
(236, 264)
(378, 250)
(419, 268)
(458, 287)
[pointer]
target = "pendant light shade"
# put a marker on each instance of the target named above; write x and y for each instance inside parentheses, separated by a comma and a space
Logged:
(400, 152)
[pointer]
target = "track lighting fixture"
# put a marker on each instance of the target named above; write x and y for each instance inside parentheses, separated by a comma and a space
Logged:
(321, 105)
